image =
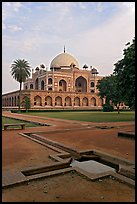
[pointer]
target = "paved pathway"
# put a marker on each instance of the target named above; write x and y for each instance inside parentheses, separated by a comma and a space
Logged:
(61, 122)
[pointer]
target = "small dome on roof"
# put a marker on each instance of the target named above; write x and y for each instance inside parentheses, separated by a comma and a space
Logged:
(37, 69)
(94, 71)
(85, 66)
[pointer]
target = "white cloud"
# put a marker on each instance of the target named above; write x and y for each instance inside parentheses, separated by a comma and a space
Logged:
(13, 5)
(18, 47)
(8, 11)
(103, 46)
(61, 9)
(14, 28)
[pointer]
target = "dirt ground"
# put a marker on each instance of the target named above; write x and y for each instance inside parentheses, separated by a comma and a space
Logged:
(19, 152)
(105, 140)
(70, 187)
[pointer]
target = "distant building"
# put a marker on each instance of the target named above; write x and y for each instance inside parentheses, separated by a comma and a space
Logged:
(65, 86)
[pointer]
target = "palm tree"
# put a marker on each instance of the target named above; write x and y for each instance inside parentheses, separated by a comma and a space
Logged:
(20, 70)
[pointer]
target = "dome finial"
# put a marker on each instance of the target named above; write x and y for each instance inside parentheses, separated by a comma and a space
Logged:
(64, 48)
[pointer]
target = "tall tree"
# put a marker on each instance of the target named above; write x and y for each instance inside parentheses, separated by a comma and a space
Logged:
(125, 74)
(108, 88)
(20, 70)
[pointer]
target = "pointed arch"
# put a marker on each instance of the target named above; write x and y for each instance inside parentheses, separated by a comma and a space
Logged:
(93, 101)
(63, 85)
(81, 84)
(48, 101)
(76, 101)
(100, 102)
(37, 101)
(58, 101)
(92, 84)
(31, 86)
(50, 89)
(68, 101)
(84, 101)
(42, 85)
(37, 84)
(49, 80)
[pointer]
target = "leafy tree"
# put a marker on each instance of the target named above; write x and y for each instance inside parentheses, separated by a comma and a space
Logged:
(108, 88)
(26, 103)
(120, 86)
(125, 74)
(20, 70)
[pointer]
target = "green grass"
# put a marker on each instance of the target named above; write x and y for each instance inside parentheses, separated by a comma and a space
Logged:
(6, 120)
(89, 116)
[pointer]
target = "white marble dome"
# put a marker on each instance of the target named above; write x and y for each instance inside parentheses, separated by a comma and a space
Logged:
(64, 59)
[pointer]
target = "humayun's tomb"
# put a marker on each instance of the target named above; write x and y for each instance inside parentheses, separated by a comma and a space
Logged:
(64, 86)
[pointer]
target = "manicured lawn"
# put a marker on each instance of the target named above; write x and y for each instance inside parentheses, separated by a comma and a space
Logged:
(6, 120)
(89, 116)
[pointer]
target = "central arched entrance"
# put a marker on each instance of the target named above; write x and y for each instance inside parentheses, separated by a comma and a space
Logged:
(81, 84)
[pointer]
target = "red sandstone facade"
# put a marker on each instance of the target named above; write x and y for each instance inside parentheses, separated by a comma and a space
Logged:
(64, 86)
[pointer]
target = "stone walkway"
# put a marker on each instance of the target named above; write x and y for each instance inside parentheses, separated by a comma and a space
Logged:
(61, 123)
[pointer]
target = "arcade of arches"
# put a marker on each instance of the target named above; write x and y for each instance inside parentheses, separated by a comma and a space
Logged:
(55, 101)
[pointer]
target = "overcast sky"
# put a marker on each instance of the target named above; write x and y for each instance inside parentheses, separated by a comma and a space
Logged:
(95, 33)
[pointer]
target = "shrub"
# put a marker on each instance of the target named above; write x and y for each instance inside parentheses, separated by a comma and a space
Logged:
(26, 103)
(108, 108)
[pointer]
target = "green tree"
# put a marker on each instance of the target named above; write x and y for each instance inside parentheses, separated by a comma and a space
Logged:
(20, 70)
(26, 103)
(107, 87)
(125, 74)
